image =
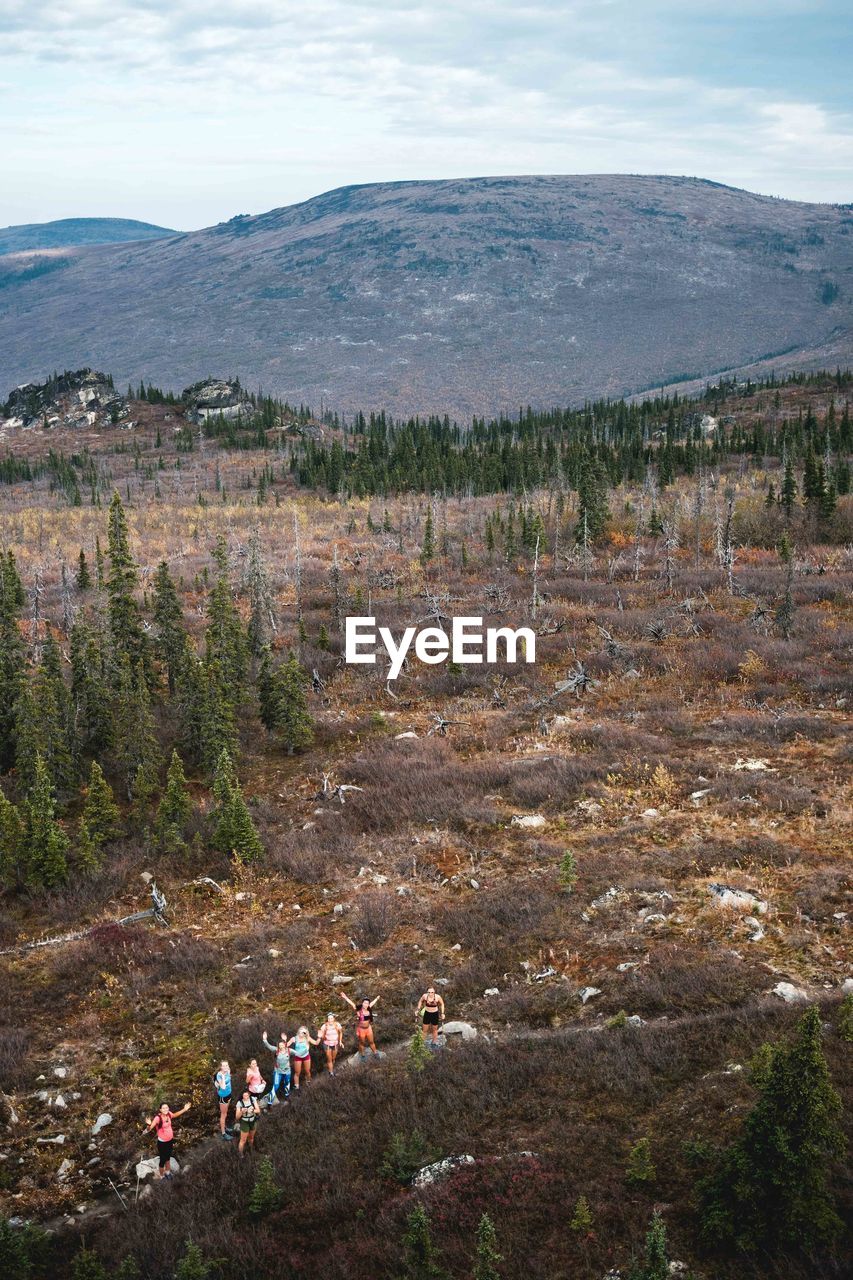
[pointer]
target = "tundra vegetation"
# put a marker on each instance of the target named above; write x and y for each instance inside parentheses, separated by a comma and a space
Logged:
(627, 865)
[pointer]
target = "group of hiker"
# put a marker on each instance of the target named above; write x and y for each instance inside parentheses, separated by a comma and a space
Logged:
(291, 1065)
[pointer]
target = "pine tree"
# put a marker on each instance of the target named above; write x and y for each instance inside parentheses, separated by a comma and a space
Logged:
(128, 637)
(592, 501)
(87, 1266)
(11, 843)
(487, 1258)
(428, 544)
(770, 1187)
(323, 637)
(234, 832)
(84, 577)
(12, 657)
(266, 1195)
(45, 843)
(175, 808)
(845, 1013)
(417, 1057)
(226, 640)
(420, 1259)
(100, 822)
(293, 723)
(169, 624)
(655, 1265)
(42, 724)
(261, 621)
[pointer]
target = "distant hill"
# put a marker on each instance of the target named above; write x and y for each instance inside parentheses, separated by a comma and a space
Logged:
(464, 296)
(75, 231)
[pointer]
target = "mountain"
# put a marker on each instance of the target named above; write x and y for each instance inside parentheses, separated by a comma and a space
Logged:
(464, 296)
(77, 231)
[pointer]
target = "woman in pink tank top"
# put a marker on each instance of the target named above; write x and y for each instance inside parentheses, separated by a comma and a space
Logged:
(331, 1037)
(162, 1123)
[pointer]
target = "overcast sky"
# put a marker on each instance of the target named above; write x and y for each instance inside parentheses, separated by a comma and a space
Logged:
(186, 112)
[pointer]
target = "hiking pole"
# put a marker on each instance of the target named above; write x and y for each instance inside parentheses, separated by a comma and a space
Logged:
(118, 1193)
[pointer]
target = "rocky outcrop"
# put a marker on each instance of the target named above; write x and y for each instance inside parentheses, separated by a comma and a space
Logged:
(216, 397)
(80, 397)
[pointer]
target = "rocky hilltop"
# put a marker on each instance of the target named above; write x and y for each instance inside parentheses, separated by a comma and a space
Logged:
(465, 296)
(73, 231)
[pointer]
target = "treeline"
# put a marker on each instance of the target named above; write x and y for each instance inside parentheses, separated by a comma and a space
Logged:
(91, 741)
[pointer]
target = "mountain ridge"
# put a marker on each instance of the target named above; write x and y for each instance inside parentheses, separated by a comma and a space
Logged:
(465, 296)
(63, 233)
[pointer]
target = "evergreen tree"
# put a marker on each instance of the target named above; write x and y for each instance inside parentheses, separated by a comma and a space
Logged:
(100, 820)
(266, 1195)
(428, 544)
(169, 624)
(640, 1168)
(11, 843)
(128, 637)
(135, 740)
(45, 843)
(226, 640)
(420, 1258)
(581, 1220)
(192, 1265)
(261, 621)
(84, 577)
(234, 832)
(487, 1259)
(91, 707)
(87, 1266)
(12, 657)
(43, 723)
(655, 1265)
(175, 808)
(592, 501)
(293, 723)
(770, 1187)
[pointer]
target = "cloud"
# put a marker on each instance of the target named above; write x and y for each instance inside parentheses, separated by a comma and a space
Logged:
(423, 88)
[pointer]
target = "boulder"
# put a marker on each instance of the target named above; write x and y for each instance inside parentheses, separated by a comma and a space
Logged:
(101, 1123)
(463, 1029)
(847, 985)
(737, 899)
(215, 396)
(789, 993)
(399, 736)
(64, 1169)
(528, 820)
(491, 991)
(144, 1168)
(586, 993)
(442, 1169)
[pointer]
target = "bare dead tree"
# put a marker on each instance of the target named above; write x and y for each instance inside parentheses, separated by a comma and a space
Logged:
(535, 600)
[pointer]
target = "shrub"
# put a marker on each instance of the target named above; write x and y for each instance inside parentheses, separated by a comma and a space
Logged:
(374, 917)
(581, 1220)
(418, 1054)
(568, 871)
(845, 1019)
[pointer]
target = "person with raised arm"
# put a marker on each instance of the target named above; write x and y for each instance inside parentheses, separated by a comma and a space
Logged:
(162, 1123)
(363, 1021)
(248, 1111)
(300, 1051)
(281, 1070)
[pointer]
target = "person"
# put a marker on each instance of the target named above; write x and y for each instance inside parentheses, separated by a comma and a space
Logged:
(331, 1036)
(162, 1123)
(300, 1050)
(281, 1071)
(363, 1021)
(431, 1012)
(222, 1085)
(255, 1082)
(248, 1110)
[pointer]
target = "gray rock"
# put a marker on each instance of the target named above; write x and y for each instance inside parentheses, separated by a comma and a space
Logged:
(64, 1169)
(586, 993)
(789, 993)
(101, 1123)
(340, 980)
(61, 1072)
(737, 899)
(491, 991)
(626, 965)
(145, 1168)
(529, 820)
(442, 1169)
(463, 1029)
(847, 985)
(58, 1141)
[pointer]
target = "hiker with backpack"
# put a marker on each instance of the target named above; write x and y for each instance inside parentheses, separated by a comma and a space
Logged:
(300, 1051)
(248, 1110)
(162, 1123)
(281, 1070)
(222, 1085)
(255, 1082)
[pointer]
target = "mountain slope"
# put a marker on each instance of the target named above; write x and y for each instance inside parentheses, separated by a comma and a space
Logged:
(466, 296)
(76, 231)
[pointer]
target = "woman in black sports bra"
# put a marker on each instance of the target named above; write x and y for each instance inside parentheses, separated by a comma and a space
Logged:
(430, 1011)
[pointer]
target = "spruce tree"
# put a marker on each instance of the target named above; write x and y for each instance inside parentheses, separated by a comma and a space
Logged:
(100, 822)
(655, 1264)
(192, 1264)
(169, 624)
(175, 808)
(233, 832)
(428, 544)
(640, 1169)
(769, 1190)
(789, 489)
(91, 703)
(293, 723)
(420, 1259)
(266, 1195)
(581, 1220)
(11, 843)
(45, 843)
(12, 658)
(128, 637)
(135, 740)
(593, 513)
(84, 577)
(487, 1258)
(226, 640)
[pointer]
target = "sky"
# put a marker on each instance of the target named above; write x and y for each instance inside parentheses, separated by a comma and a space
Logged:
(187, 112)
